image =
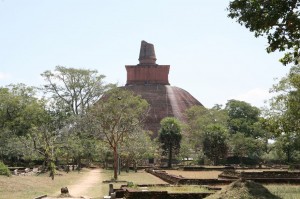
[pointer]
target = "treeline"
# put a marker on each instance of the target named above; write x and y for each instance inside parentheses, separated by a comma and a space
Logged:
(244, 134)
(65, 122)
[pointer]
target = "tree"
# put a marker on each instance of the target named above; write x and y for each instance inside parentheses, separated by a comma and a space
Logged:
(278, 20)
(18, 105)
(137, 147)
(73, 91)
(76, 89)
(20, 113)
(285, 112)
(214, 143)
(115, 116)
(201, 122)
(247, 135)
(244, 146)
(170, 137)
(242, 118)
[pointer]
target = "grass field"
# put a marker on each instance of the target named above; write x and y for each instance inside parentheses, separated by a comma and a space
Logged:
(195, 174)
(28, 187)
(285, 191)
(141, 177)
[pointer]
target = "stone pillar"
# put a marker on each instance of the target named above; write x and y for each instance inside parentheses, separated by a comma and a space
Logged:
(110, 189)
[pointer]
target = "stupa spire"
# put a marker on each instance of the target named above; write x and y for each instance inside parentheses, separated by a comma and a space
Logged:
(147, 71)
(147, 53)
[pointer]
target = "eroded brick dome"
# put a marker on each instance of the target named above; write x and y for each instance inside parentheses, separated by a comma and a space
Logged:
(151, 82)
(165, 101)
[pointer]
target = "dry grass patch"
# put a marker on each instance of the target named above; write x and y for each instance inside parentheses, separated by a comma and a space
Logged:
(195, 174)
(244, 189)
(285, 191)
(28, 187)
(141, 177)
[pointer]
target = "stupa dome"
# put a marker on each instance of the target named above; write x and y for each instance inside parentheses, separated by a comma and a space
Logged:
(151, 82)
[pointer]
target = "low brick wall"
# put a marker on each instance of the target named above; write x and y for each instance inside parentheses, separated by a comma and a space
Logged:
(230, 174)
(188, 195)
(173, 179)
(264, 176)
(270, 174)
(199, 168)
(190, 181)
(135, 194)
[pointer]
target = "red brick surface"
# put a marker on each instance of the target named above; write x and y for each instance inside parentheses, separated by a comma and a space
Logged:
(165, 101)
(147, 74)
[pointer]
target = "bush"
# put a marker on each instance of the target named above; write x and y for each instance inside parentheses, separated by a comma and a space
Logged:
(4, 170)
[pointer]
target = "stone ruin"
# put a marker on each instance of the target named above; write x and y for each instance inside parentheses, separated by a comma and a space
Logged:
(151, 81)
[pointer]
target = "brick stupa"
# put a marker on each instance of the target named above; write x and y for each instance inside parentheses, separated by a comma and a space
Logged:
(151, 82)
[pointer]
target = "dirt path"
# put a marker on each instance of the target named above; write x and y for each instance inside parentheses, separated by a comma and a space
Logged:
(81, 188)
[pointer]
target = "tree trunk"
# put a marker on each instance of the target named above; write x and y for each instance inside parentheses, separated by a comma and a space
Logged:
(127, 165)
(52, 168)
(288, 154)
(134, 166)
(78, 163)
(170, 156)
(115, 163)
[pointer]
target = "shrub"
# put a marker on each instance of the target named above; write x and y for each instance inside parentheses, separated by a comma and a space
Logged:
(4, 170)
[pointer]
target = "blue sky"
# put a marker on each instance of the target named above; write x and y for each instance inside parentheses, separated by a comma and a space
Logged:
(211, 56)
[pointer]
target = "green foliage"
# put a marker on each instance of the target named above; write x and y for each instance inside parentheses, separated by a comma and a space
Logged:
(207, 128)
(137, 146)
(284, 114)
(75, 89)
(21, 113)
(278, 20)
(243, 146)
(116, 116)
(4, 169)
(19, 109)
(215, 143)
(199, 118)
(242, 118)
(170, 136)
(131, 185)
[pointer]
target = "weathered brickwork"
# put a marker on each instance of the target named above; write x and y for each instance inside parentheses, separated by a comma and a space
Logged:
(151, 82)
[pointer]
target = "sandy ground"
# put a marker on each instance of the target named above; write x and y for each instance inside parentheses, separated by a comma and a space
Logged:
(82, 186)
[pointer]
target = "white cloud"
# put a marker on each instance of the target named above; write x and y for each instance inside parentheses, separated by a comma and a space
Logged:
(255, 97)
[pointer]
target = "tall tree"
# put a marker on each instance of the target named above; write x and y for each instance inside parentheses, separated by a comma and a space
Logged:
(76, 89)
(278, 20)
(20, 112)
(72, 92)
(285, 112)
(115, 116)
(242, 118)
(170, 137)
(244, 127)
